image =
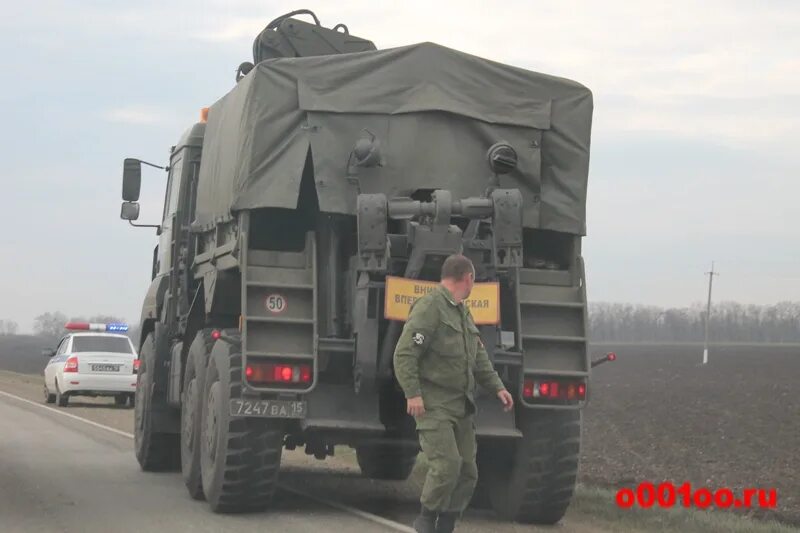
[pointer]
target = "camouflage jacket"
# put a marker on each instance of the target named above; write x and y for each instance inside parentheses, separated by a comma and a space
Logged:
(440, 356)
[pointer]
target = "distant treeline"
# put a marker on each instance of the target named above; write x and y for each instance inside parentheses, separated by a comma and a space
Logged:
(730, 322)
(614, 322)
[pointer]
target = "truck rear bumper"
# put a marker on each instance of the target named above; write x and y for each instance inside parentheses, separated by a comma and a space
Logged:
(338, 409)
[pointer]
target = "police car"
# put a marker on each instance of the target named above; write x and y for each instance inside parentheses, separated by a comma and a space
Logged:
(92, 360)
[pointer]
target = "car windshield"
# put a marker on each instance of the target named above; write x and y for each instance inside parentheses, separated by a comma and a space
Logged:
(98, 343)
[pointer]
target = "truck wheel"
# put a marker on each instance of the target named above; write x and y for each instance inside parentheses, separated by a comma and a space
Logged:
(191, 407)
(62, 399)
(155, 451)
(120, 400)
(534, 481)
(480, 496)
(239, 457)
(388, 462)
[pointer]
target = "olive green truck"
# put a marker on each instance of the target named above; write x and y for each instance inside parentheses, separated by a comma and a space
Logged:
(307, 210)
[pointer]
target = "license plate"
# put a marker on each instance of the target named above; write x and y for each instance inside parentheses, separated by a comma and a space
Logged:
(105, 368)
(483, 302)
(269, 408)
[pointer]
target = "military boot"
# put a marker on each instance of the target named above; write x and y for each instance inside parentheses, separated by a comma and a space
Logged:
(426, 521)
(446, 522)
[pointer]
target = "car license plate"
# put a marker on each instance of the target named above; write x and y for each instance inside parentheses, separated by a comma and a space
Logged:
(105, 368)
(269, 408)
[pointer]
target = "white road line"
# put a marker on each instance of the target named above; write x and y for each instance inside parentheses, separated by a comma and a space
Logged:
(54, 410)
(363, 514)
(397, 526)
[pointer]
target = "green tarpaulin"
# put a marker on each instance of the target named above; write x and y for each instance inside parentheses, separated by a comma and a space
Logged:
(435, 111)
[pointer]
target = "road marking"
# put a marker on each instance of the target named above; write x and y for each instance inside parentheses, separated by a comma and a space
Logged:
(363, 514)
(74, 417)
(397, 526)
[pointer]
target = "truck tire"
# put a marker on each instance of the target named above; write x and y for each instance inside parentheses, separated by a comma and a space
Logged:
(155, 451)
(534, 482)
(393, 463)
(239, 457)
(480, 496)
(191, 407)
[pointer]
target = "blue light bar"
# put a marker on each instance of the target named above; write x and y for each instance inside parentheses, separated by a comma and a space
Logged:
(116, 328)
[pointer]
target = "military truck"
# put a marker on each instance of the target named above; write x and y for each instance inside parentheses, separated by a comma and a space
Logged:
(308, 209)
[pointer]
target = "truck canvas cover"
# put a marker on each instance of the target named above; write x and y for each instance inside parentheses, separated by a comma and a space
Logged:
(435, 112)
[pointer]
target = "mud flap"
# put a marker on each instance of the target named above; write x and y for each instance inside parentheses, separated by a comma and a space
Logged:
(492, 421)
(339, 407)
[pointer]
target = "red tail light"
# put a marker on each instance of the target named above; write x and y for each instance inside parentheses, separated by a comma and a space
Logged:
(554, 391)
(278, 373)
(527, 389)
(71, 365)
(136, 363)
(544, 389)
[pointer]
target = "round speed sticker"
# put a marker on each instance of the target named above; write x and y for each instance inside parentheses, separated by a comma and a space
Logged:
(276, 303)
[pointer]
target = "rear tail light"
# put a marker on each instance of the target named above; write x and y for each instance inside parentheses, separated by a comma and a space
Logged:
(71, 365)
(278, 374)
(527, 389)
(548, 390)
(136, 363)
(541, 389)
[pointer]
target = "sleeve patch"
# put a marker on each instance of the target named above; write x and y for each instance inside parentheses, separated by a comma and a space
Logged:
(418, 338)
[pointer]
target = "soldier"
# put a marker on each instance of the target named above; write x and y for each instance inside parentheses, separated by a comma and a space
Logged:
(437, 361)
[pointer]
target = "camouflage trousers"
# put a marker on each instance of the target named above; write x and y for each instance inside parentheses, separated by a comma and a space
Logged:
(450, 448)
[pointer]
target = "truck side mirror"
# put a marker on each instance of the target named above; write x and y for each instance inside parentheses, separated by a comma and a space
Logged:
(131, 180)
(130, 211)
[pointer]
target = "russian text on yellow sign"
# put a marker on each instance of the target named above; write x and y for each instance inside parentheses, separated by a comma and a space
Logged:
(483, 302)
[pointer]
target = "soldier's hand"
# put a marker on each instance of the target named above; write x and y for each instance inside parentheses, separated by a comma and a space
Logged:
(507, 399)
(415, 407)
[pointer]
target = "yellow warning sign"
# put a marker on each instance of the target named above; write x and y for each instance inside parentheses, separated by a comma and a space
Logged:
(483, 303)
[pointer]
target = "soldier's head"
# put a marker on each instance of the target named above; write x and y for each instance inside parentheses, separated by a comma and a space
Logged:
(458, 276)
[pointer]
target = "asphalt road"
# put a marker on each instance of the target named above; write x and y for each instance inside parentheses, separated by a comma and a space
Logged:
(73, 469)
(63, 475)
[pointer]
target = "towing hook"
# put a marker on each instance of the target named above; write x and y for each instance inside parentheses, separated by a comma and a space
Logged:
(610, 356)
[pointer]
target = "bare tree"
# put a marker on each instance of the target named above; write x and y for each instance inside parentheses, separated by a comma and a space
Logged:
(730, 322)
(106, 319)
(50, 324)
(8, 327)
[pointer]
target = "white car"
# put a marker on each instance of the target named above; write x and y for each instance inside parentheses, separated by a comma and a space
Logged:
(91, 364)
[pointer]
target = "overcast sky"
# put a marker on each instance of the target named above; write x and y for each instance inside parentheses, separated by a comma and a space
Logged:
(694, 152)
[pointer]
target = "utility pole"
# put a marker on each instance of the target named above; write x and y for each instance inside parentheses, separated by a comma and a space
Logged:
(708, 310)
